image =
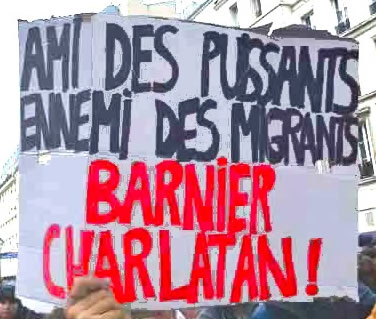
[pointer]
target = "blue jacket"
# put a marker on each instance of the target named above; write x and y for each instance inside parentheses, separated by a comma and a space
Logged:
(321, 309)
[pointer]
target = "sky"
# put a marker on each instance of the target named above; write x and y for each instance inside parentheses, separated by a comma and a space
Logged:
(11, 11)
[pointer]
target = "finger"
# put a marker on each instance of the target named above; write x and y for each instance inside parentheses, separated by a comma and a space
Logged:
(85, 303)
(83, 286)
(99, 308)
(113, 314)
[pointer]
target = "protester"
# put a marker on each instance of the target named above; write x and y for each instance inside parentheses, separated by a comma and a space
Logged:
(240, 311)
(321, 308)
(12, 308)
(367, 270)
(90, 298)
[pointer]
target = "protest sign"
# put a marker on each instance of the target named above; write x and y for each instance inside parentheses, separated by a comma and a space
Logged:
(181, 162)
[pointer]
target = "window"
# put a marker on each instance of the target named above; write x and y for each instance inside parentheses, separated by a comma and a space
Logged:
(366, 154)
(369, 219)
(234, 14)
(372, 7)
(256, 8)
(307, 20)
(342, 16)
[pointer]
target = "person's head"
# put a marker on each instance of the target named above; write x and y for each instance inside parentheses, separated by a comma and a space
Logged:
(369, 251)
(8, 303)
(367, 270)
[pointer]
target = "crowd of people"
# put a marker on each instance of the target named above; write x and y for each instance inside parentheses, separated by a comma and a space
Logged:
(91, 298)
(321, 308)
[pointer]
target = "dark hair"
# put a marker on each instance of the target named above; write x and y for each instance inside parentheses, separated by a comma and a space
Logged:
(369, 251)
(237, 311)
(367, 270)
(7, 294)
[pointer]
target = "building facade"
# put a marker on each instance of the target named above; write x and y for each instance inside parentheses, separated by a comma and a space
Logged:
(347, 18)
(153, 8)
(9, 221)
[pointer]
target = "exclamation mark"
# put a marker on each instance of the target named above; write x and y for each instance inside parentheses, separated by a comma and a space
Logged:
(313, 259)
